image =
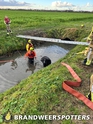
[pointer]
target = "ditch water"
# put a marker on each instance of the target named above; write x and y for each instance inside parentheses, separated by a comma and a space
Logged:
(14, 71)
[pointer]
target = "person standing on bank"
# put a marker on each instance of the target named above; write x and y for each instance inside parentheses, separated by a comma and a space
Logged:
(90, 52)
(7, 22)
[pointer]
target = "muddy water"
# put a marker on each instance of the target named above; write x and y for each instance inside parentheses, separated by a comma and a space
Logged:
(13, 72)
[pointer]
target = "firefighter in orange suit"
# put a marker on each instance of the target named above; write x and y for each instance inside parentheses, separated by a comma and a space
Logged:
(31, 54)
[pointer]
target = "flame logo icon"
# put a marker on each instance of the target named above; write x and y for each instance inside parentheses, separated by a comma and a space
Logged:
(7, 116)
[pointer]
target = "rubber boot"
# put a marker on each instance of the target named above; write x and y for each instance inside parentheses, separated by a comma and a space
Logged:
(88, 62)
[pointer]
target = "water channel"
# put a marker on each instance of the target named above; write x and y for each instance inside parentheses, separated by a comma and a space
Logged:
(13, 72)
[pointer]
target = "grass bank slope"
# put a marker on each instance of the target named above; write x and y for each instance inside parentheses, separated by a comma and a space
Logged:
(22, 21)
(42, 93)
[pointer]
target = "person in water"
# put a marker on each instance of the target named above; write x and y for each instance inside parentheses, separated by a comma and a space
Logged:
(31, 54)
(29, 45)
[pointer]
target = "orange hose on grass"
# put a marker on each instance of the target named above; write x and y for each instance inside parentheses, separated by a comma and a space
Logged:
(67, 85)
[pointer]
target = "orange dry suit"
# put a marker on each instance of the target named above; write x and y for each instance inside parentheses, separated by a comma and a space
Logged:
(30, 54)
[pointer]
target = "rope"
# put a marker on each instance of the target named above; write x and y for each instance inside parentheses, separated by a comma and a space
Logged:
(67, 86)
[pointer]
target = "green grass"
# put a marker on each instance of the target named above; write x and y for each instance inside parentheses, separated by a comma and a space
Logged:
(40, 18)
(42, 93)
(33, 19)
(52, 23)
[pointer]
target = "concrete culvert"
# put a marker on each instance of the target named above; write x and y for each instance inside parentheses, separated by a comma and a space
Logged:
(67, 39)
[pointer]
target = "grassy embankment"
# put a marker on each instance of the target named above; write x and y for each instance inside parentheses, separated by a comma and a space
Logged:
(30, 20)
(42, 93)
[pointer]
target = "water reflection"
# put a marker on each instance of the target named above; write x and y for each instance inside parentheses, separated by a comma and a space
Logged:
(14, 64)
(31, 67)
